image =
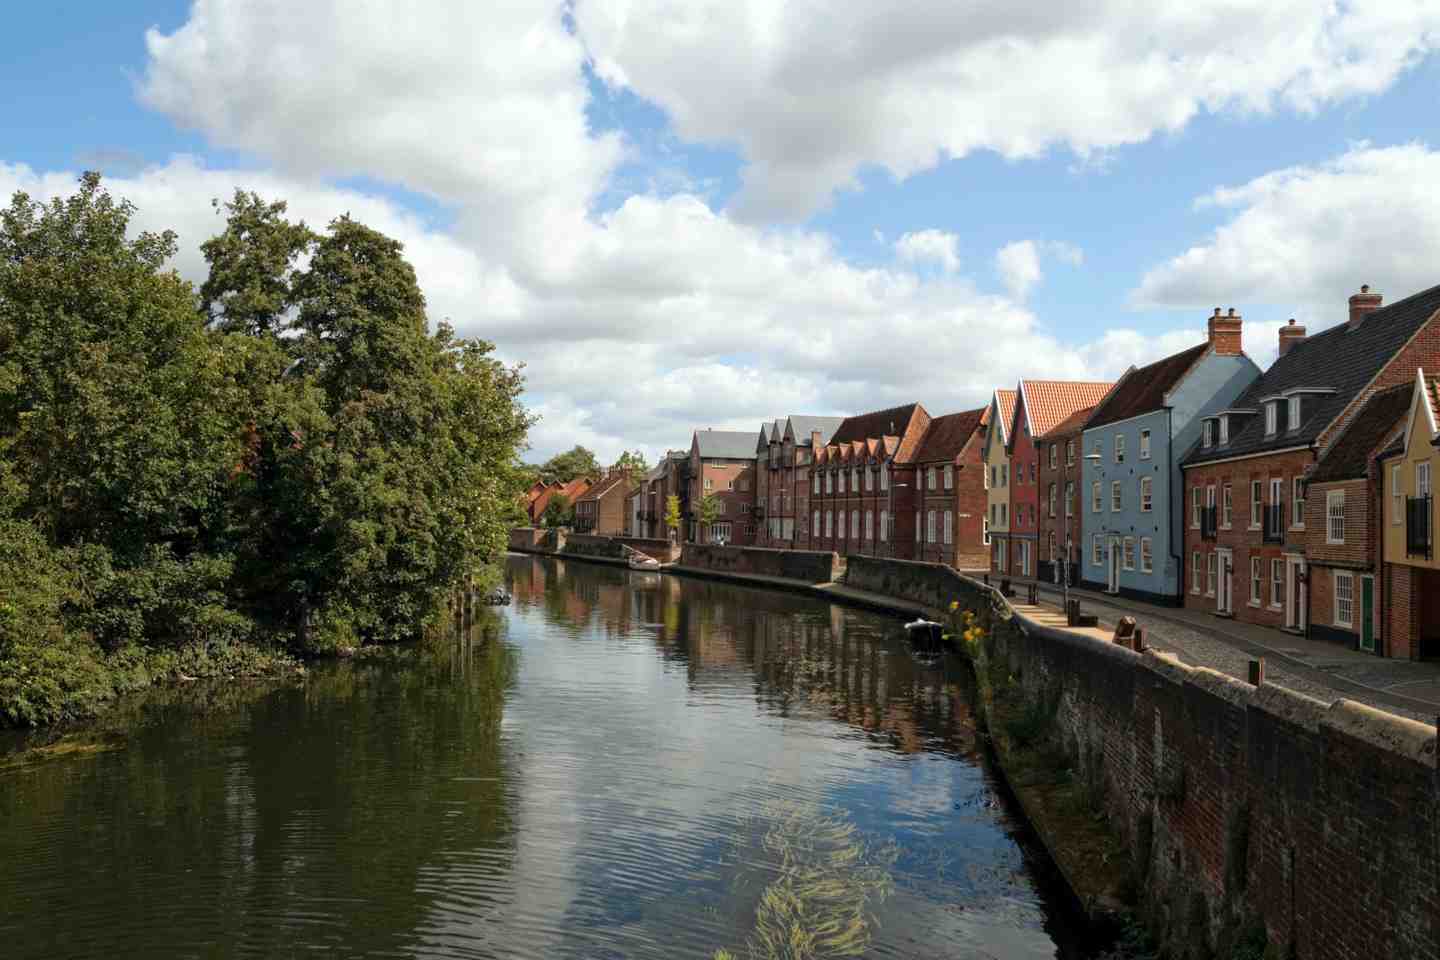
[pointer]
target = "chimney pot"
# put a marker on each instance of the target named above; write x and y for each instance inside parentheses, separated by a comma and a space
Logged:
(1217, 311)
(1232, 311)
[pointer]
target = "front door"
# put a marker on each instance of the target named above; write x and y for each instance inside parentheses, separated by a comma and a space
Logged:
(1114, 564)
(1223, 596)
(1367, 614)
(1295, 600)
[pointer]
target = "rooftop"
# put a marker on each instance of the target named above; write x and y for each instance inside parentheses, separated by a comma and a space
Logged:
(1144, 390)
(946, 436)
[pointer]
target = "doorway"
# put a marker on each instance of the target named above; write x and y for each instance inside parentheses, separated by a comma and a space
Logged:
(1224, 596)
(1114, 586)
(1296, 591)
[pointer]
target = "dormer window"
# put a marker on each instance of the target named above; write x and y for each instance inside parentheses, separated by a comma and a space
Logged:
(1272, 417)
(1209, 437)
(1294, 414)
(1224, 430)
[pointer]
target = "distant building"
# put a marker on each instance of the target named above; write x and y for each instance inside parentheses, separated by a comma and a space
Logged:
(1059, 528)
(950, 474)
(864, 491)
(1410, 588)
(600, 510)
(722, 465)
(997, 477)
(783, 454)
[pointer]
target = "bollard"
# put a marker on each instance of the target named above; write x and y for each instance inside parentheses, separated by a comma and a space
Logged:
(1139, 640)
(1125, 632)
(1257, 672)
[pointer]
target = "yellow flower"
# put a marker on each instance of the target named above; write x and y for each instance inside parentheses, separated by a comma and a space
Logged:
(954, 605)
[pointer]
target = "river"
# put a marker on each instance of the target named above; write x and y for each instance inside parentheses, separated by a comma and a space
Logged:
(619, 764)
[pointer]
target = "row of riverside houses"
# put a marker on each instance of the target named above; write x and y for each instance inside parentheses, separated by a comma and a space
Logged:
(1297, 498)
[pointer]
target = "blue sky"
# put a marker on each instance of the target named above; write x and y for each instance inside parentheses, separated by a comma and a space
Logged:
(691, 217)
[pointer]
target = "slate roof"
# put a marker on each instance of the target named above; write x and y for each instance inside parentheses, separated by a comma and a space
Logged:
(725, 444)
(604, 486)
(1048, 402)
(802, 427)
(892, 422)
(946, 436)
(655, 472)
(1072, 424)
(1349, 456)
(1143, 390)
(1338, 358)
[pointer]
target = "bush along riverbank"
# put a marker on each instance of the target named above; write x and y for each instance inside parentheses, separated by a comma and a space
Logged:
(225, 481)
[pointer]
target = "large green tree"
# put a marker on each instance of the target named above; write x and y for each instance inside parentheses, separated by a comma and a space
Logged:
(633, 463)
(573, 463)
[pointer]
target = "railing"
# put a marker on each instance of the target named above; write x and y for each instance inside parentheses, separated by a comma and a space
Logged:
(1275, 523)
(1419, 540)
(1209, 522)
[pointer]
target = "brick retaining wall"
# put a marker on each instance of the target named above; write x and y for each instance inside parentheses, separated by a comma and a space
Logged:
(808, 566)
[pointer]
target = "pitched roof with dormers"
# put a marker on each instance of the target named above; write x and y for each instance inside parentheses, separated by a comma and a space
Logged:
(946, 436)
(1341, 361)
(1144, 390)
(801, 428)
(1047, 403)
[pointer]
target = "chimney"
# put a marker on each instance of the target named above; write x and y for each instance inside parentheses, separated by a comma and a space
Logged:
(1225, 336)
(1290, 334)
(1362, 303)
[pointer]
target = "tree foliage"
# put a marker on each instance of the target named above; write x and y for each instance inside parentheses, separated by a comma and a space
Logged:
(557, 512)
(573, 463)
(708, 511)
(633, 464)
(289, 457)
(672, 513)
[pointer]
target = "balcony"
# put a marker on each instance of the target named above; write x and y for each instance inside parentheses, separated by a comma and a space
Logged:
(1419, 538)
(1275, 523)
(1209, 522)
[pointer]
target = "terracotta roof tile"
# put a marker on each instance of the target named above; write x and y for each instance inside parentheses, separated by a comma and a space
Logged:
(1048, 402)
(1143, 390)
(1006, 400)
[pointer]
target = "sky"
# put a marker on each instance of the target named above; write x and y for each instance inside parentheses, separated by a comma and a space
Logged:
(696, 214)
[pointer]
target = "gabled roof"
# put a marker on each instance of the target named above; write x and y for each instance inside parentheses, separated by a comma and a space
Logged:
(1373, 427)
(605, 486)
(725, 444)
(1004, 403)
(801, 427)
(1048, 402)
(1071, 425)
(1144, 390)
(655, 472)
(946, 436)
(1339, 358)
(893, 422)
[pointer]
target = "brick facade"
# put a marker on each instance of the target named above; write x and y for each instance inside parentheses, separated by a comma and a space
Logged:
(1057, 527)
(1024, 495)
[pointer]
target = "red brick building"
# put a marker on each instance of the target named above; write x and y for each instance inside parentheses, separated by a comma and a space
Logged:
(570, 492)
(600, 510)
(722, 465)
(950, 471)
(863, 486)
(1247, 515)
(783, 455)
(1040, 406)
(1060, 515)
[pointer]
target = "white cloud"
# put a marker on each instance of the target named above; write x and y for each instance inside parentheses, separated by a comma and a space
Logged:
(1304, 238)
(813, 92)
(935, 246)
(1065, 252)
(1019, 266)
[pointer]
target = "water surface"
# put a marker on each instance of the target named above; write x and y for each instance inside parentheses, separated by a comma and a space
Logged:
(619, 765)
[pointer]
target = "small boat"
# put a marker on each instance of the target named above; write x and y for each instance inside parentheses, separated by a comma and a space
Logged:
(925, 634)
(638, 561)
(499, 597)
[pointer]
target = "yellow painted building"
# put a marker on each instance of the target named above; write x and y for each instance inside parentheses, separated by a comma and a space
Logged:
(1411, 581)
(997, 479)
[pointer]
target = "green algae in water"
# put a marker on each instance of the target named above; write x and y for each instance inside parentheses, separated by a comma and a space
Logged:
(821, 882)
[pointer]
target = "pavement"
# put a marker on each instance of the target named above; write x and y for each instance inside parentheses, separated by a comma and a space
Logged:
(1317, 668)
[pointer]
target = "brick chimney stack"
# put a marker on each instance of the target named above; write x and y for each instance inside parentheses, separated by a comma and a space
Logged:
(1361, 304)
(1290, 334)
(1225, 335)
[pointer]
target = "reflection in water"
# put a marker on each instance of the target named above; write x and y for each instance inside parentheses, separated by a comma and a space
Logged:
(622, 764)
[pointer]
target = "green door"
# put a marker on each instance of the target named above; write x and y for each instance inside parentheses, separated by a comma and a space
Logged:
(1367, 613)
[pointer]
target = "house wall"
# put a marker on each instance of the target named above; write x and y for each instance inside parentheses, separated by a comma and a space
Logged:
(1024, 494)
(1418, 450)
(997, 466)
(1162, 584)
(1354, 557)
(732, 482)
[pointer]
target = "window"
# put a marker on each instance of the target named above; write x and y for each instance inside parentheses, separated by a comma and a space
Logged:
(1051, 496)
(1227, 506)
(1052, 455)
(1272, 417)
(1397, 495)
(930, 477)
(1257, 579)
(709, 483)
(949, 530)
(1422, 479)
(840, 481)
(1293, 414)
(1297, 503)
(720, 508)
(855, 524)
(815, 521)
(1277, 582)
(854, 479)
(1052, 546)
(1344, 600)
(1256, 504)
(992, 476)
(719, 531)
(829, 523)
(1097, 550)
(1224, 430)
(1034, 470)
(1195, 572)
(869, 479)
(1119, 448)
(985, 530)
(1004, 474)
(1127, 557)
(1070, 453)
(1005, 513)
(1211, 574)
(1070, 498)
(1195, 507)
(1095, 497)
(994, 513)
(869, 524)
(1335, 516)
(918, 531)
(884, 476)
(1144, 444)
(1209, 437)
(1117, 496)
(1147, 499)
(829, 483)
(1097, 446)
(930, 526)
(949, 477)
(1147, 559)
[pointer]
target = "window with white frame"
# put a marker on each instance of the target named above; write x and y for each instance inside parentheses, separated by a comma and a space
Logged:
(1051, 499)
(1212, 574)
(720, 508)
(930, 477)
(1335, 516)
(949, 528)
(815, 483)
(829, 482)
(1257, 504)
(1195, 507)
(1052, 455)
(1005, 513)
(1070, 453)
(1293, 414)
(1095, 497)
(855, 524)
(1127, 556)
(1272, 417)
(1004, 474)
(869, 479)
(1147, 558)
(1397, 495)
(1097, 446)
(1224, 430)
(1277, 582)
(709, 483)
(1422, 479)
(1119, 448)
(815, 521)
(1297, 503)
(1147, 499)
(869, 524)
(1209, 434)
(1227, 506)
(1097, 550)
(949, 476)
(1195, 572)
(1117, 496)
(884, 476)
(1144, 444)
(1257, 577)
(1344, 599)
(930, 526)
(1069, 498)
(884, 526)
(829, 523)
(720, 531)
(855, 480)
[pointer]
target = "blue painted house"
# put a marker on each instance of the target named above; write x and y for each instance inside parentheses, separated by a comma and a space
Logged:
(1131, 488)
